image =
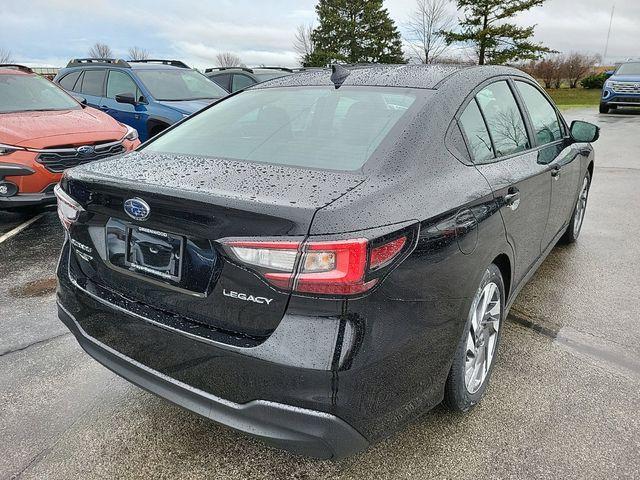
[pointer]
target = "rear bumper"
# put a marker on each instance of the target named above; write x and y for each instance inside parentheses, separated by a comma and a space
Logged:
(300, 430)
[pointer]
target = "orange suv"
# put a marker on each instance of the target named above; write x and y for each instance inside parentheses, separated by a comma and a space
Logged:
(44, 131)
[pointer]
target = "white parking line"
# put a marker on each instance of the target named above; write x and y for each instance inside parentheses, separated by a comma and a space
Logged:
(19, 228)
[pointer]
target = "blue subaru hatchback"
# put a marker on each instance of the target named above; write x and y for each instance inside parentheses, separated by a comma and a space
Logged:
(148, 95)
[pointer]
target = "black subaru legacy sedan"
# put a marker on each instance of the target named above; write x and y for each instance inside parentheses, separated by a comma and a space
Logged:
(320, 258)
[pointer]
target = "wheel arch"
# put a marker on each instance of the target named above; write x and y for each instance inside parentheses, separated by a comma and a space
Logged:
(503, 263)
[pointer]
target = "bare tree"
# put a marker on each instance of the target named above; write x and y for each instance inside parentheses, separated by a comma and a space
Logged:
(577, 65)
(545, 70)
(302, 43)
(100, 50)
(424, 29)
(137, 53)
(560, 72)
(5, 56)
(228, 59)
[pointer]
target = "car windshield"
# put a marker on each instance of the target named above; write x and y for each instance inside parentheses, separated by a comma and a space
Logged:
(315, 127)
(629, 69)
(27, 93)
(179, 84)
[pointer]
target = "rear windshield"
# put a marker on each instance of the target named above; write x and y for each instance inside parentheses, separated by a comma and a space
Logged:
(26, 93)
(263, 77)
(629, 69)
(179, 84)
(308, 127)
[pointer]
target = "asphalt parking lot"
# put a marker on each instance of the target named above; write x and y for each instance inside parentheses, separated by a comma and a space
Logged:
(564, 400)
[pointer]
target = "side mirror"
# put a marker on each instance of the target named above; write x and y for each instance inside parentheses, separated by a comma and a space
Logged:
(126, 98)
(609, 73)
(80, 99)
(584, 132)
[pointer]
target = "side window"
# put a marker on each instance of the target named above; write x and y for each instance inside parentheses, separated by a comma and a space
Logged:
(241, 81)
(475, 130)
(543, 115)
(92, 82)
(504, 119)
(68, 81)
(222, 80)
(119, 83)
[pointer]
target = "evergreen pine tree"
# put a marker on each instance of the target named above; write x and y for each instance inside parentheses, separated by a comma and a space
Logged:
(354, 31)
(495, 40)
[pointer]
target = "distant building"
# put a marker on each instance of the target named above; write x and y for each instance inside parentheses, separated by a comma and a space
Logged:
(48, 72)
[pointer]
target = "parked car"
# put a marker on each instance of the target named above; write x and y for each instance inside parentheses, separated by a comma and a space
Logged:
(317, 260)
(148, 95)
(43, 131)
(622, 88)
(233, 79)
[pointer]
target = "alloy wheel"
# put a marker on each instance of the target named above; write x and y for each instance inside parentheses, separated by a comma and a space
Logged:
(482, 336)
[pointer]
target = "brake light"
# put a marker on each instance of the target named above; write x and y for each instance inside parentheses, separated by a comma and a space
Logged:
(68, 209)
(337, 267)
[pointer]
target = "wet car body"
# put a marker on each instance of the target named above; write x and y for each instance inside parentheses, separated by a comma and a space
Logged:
(324, 375)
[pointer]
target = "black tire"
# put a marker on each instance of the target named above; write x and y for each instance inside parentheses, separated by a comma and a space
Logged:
(456, 396)
(572, 233)
(604, 108)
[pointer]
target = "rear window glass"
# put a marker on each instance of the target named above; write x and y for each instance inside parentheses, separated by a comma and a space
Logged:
(308, 127)
(92, 82)
(68, 81)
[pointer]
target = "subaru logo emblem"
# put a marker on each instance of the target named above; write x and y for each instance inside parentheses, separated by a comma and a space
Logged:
(137, 208)
(85, 150)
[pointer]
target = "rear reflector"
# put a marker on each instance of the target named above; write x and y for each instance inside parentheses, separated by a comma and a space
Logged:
(384, 254)
(338, 267)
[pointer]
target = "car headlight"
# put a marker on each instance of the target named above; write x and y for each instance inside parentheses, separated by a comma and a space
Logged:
(7, 149)
(607, 84)
(132, 134)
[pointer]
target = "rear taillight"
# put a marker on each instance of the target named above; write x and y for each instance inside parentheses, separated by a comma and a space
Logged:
(337, 267)
(68, 209)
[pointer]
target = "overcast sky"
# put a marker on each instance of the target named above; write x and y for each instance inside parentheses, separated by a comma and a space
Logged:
(49, 32)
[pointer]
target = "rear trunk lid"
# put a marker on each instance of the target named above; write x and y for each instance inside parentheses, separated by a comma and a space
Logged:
(173, 260)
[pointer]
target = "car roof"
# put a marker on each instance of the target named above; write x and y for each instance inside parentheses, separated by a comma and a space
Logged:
(10, 71)
(114, 63)
(15, 69)
(407, 76)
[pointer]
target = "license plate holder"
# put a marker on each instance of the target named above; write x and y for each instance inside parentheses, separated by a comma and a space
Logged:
(154, 253)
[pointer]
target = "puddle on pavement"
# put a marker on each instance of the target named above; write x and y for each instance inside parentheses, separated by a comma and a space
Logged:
(36, 288)
(597, 349)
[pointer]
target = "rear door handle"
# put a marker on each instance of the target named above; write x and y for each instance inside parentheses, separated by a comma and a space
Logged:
(104, 107)
(512, 198)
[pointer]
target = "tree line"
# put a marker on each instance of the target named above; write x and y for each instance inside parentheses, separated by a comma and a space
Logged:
(572, 69)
